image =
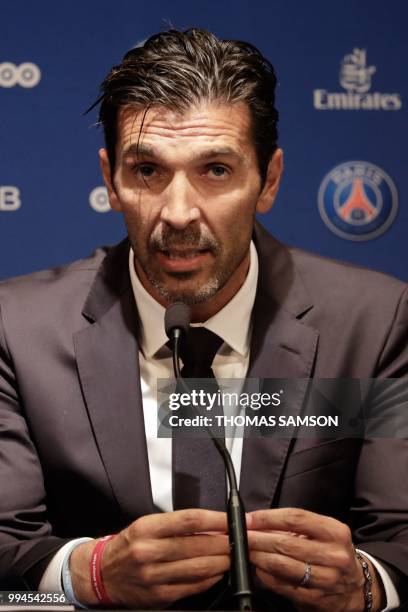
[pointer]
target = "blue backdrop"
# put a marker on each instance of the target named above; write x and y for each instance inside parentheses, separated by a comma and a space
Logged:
(342, 98)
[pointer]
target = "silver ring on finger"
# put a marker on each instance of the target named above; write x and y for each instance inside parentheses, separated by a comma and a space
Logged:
(307, 575)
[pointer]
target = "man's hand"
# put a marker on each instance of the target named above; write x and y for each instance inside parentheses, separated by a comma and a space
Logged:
(157, 559)
(282, 540)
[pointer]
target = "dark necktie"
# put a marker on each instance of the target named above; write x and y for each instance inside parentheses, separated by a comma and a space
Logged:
(199, 479)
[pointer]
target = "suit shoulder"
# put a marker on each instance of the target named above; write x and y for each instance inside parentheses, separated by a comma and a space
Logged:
(64, 275)
(50, 294)
(345, 281)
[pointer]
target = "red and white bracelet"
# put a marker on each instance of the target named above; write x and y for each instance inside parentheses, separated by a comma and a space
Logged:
(95, 570)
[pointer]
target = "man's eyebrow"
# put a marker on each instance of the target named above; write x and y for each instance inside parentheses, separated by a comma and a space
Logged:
(219, 152)
(140, 150)
(144, 150)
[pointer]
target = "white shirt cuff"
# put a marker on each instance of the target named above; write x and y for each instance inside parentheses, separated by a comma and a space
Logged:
(392, 600)
(51, 579)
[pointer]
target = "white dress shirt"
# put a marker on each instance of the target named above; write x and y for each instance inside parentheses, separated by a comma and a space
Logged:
(233, 324)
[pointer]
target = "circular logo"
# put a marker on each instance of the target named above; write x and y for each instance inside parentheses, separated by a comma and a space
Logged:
(98, 199)
(8, 74)
(26, 75)
(357, 200)
(30, 74)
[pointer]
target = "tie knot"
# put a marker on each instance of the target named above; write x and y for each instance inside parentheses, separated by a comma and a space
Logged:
(198, 348)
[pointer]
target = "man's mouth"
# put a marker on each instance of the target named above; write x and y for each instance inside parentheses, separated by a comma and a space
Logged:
(182, 260)
(183, 253)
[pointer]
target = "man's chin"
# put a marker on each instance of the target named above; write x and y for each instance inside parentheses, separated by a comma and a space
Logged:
(189, 293)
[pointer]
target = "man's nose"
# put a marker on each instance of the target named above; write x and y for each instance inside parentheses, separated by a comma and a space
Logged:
(179, 209)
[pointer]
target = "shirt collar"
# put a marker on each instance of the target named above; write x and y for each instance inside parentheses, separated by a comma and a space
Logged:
(231, 323)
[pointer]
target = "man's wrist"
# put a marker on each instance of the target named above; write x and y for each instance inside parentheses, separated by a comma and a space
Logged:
(387, 580)
(377, 588)
(79, 567)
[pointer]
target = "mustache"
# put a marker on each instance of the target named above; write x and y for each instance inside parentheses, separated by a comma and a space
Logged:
(197, 238)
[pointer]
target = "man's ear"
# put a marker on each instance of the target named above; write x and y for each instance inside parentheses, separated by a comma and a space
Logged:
(271, 186)
(108, 180)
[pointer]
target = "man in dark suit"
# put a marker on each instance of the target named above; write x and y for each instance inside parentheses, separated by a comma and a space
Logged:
(191, 156)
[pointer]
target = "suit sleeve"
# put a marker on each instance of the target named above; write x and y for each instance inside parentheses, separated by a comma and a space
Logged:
(393, 360)
(380, 512)
(26, 540)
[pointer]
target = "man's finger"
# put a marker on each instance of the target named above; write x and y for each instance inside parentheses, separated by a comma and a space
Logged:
(302, 549)
(303, 598)
(173, 592)
(292, 572)
(317, 526)
(176, 548)
(184, 571)
(180, 522)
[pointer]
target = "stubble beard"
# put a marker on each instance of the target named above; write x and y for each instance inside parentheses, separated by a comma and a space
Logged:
(188, 296)
(186, 290)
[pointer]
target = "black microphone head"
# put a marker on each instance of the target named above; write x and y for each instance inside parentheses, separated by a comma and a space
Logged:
(177, 316)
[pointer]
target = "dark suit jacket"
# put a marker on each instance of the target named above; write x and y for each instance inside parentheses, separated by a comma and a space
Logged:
(73, 458)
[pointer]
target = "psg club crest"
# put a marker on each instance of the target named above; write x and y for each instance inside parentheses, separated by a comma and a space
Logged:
(358, 200)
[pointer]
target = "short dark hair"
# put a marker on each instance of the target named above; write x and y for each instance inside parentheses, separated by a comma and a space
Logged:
(179, 69)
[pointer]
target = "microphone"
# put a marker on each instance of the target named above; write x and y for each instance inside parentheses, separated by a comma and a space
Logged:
(177, 319)
(176, 323)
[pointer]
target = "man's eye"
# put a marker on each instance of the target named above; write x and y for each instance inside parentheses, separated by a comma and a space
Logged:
(219, 170)
(145, 170)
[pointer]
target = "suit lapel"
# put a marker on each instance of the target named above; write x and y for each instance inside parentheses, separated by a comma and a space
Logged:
(282, 346)
(108, 366)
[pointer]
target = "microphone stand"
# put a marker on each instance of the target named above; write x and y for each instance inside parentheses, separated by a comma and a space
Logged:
(237, 533)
